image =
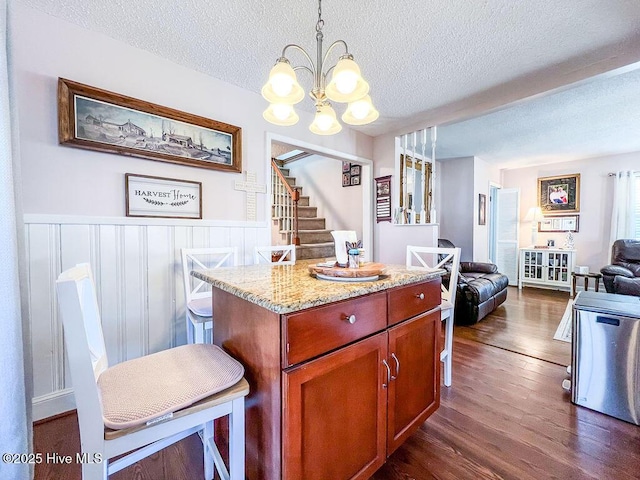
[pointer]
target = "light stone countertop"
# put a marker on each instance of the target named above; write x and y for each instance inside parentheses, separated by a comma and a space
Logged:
(289, 288)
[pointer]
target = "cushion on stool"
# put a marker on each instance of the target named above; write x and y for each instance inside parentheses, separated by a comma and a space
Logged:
(145, 388)
(201, 306)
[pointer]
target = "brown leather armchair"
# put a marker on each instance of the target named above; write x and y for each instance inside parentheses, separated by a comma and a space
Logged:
(481, 289)
(623, 275)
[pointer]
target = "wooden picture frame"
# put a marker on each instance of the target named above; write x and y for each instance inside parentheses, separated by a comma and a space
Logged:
(406, 202)
(560, 223)
(560, 194)
(159, 197)
(482, 209)
(383, 199)
(96, 119)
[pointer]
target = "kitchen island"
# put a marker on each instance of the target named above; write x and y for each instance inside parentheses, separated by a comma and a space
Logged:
(341, 373)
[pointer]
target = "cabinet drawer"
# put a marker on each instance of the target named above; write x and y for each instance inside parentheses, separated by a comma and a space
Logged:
(319, 330)
(411, 300)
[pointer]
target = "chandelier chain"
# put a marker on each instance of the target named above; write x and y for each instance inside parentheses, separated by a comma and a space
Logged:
(320, 23)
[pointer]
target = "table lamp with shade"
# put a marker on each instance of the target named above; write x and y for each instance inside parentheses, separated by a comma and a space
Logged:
(535, 216)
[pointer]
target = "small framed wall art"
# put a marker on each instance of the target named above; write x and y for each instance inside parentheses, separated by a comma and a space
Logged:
(350, 174)
(560, 223)
(147, 196)
(482, 209)
(383, 199)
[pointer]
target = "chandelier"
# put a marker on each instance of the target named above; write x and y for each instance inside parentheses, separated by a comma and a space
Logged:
(283, 91)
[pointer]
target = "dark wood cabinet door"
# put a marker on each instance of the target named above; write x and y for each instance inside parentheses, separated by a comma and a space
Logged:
(414, 359)
(334, 420)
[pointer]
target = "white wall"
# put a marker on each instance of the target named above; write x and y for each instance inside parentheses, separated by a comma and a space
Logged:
(457, 198)
(74, 198)
(596, 200)
(484, 175)
(391, 240)
(64, 180)
(321, 179)
(460, 181)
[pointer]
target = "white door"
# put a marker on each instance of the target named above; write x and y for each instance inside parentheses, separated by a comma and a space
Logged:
(506, 240)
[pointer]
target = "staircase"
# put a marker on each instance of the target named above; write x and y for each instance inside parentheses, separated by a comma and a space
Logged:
(315, 240)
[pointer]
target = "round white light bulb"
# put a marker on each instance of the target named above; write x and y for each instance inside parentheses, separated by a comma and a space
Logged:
(281, 111)
(281, 84)
(346, 81)
(360, 109)
(324, 122)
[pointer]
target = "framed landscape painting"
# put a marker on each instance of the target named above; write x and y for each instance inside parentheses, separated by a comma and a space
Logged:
(559, 194)
(96, 119)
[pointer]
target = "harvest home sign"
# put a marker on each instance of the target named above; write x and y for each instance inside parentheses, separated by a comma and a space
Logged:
(148, 196)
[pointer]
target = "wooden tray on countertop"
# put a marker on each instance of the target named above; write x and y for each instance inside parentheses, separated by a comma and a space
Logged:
(367, 271)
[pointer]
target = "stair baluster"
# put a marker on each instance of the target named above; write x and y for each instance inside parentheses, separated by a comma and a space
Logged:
(286, 203)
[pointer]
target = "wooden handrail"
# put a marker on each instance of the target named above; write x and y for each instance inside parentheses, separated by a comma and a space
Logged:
(294, 193)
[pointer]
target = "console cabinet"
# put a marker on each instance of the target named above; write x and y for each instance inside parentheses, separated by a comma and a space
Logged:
(549, 268)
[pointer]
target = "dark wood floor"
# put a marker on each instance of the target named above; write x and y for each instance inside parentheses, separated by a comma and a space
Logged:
(525, 323)
(505, 416)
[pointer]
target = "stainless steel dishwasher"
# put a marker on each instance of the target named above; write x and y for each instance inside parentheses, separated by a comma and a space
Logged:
(605, 360)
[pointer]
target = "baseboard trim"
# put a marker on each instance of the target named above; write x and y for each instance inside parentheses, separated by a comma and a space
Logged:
(52, 404)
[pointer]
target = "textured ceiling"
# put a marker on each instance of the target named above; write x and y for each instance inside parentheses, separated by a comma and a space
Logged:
(425, 61)
(597, 118)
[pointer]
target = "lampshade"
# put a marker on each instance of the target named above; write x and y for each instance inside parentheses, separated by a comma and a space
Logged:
(360, 112)
(534, 215)
(281, 114)
(282, 86)
(346, 85)
(325, 122)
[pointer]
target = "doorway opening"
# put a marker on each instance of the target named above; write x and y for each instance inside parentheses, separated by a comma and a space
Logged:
(319, 171)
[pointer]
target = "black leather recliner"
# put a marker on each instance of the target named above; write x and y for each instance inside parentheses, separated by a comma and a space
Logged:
(623, 275)
(481, 289)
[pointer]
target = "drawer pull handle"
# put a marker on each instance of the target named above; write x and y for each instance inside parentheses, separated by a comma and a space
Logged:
(350, 318)
(420, 296)
(393, 355)
(385, 385)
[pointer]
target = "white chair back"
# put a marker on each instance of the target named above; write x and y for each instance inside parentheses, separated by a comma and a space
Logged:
(197, 293)
(434, 258)
(275, 255)
(87, 357)
(204, 258)
(84, 342)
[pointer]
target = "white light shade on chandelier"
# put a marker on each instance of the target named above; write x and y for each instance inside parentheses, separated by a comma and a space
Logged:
(346, 85)
(360, 112)
(282, 90)
(325, 121)
(281, 114)
(283, 86)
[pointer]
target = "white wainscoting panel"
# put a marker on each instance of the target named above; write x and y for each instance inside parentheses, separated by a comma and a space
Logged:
(136, 265)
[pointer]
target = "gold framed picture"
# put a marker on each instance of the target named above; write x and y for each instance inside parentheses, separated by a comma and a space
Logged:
(560, 194)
